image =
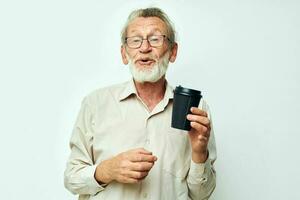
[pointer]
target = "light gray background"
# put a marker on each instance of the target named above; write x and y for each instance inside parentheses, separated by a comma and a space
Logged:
(243, 55)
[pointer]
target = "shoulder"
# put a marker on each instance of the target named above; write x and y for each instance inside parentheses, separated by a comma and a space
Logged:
(104, 94)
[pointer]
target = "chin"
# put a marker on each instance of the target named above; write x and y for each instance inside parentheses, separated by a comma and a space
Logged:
(148, 73)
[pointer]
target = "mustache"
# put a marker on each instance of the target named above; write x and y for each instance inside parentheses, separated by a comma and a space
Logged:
(148, 57)
(151, 57)
(141, 57)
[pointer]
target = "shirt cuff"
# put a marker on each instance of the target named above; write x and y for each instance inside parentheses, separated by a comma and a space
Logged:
(92, 184)
(198, 172)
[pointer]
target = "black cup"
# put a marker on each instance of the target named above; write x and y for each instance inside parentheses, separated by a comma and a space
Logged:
(184, 99)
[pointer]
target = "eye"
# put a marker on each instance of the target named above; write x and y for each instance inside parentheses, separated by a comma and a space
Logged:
(134, 40)
(154, 39)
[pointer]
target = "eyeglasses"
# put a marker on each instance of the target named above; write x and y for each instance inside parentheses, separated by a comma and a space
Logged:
(154, 41)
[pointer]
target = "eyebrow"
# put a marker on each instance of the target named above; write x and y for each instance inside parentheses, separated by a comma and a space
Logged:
(151, 32)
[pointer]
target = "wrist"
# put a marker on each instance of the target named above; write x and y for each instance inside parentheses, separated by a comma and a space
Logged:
(102, 174)
(200, 157)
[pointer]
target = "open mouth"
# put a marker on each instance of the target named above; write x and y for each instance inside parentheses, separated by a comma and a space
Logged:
(145, 61)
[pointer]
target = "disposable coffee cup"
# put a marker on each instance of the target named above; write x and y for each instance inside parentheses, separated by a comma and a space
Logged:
(184, 99)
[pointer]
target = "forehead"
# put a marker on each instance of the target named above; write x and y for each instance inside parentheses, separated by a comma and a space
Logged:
(146, 25)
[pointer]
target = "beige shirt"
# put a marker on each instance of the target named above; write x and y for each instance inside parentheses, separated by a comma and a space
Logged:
(113, 120)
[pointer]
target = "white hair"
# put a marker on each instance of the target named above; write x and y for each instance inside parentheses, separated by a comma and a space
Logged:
(151, 12)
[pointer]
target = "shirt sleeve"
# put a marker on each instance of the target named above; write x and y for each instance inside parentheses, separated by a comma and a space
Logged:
(80, 169)
(201, 179)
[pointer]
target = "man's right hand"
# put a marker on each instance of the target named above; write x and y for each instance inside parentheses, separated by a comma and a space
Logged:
(127, 167)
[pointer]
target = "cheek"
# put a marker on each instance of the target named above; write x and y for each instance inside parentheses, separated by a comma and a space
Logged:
(132, 54)
(159, 53)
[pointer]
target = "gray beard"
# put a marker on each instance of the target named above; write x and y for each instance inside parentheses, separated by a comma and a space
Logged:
(150, 75)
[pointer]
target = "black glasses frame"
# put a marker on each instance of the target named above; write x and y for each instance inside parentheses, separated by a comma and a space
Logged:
(164, 37)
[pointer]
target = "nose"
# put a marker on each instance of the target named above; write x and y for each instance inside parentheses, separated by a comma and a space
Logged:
(145, 47)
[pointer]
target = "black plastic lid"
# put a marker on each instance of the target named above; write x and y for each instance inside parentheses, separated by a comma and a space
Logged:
(187, 91)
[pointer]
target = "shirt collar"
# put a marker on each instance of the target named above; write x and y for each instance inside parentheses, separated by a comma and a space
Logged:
(169, 94)
(129, 89)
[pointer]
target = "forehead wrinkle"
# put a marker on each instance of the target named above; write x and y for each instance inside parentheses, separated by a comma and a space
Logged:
(146, 25)
(148, 33)
(145, 29)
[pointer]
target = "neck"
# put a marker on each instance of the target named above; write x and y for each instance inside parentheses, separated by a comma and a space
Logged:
(151, 93)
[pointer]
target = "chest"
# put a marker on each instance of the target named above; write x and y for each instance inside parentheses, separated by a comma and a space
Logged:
(128, 126)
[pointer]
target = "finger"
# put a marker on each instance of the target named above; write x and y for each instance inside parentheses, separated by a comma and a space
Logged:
(125, 179)
(143, 151)
(198, 111)
(141, 166)
(203, 130)
(137, 175)
(200, 119)
(202, 138)
(142, 158)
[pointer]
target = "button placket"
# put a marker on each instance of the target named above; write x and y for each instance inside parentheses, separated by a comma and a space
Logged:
(147, 140)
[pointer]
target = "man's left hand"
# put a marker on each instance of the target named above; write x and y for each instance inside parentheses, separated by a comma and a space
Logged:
(199, 134)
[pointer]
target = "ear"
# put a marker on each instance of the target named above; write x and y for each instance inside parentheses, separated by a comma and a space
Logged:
(173, 54)
(123, 53)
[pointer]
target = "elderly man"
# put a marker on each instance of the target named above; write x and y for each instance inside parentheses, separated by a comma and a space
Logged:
(123, 146)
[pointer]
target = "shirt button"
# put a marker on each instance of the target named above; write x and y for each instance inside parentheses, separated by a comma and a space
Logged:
(147, 141)
(145, 195)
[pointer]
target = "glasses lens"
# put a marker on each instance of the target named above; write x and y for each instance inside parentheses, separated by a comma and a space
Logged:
(134, 42)
(156, 40)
